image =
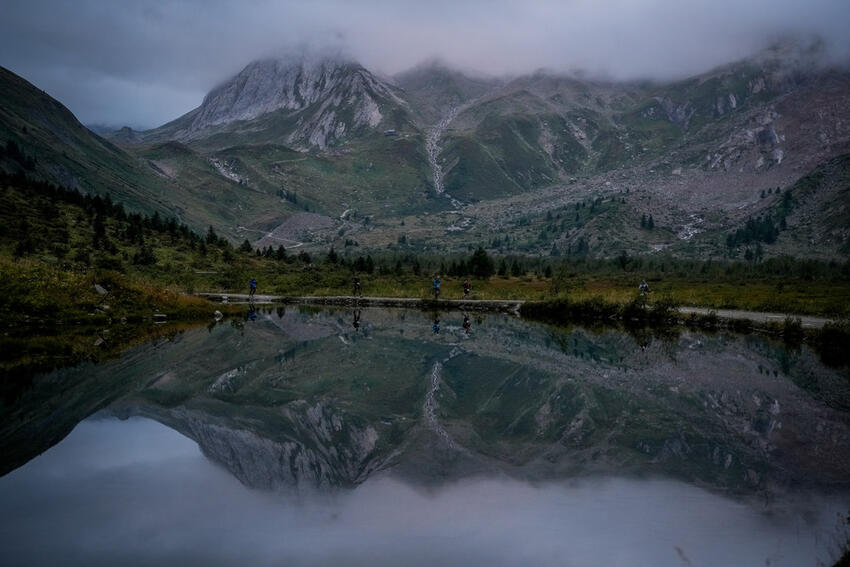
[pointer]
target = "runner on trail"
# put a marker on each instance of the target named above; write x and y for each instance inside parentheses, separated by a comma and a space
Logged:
(643, 287)
(357, 287)
(437, 283)
(253, 286)
(467, 287)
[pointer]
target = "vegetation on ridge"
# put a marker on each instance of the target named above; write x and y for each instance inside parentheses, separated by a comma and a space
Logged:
(56, 244)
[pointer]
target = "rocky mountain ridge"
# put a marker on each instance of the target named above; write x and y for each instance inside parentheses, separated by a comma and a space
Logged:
(330, 138)
(318, 104)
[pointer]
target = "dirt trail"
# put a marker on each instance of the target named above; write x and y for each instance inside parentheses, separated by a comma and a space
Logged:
(506, 306)
(502, 305)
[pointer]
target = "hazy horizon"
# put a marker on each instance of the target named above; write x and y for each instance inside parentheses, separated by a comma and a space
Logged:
(147, 63)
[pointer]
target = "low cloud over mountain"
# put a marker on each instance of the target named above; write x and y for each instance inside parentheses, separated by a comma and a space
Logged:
(147, 62)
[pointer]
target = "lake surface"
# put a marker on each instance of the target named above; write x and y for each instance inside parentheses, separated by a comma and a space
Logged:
(316, 437)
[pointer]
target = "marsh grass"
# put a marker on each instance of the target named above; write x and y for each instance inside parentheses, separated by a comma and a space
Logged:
(32, 291)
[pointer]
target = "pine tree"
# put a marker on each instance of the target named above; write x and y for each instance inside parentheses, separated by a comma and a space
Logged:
(481, 265)
(516, 269)
(333, 258)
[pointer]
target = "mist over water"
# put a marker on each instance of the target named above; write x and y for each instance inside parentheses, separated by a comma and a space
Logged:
(106, 495)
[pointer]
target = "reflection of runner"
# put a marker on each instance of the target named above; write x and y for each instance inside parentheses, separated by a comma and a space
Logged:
(252, 313)
(436, 326)
(357, 287)
(437, 282)
(466, 324)
(356, 323)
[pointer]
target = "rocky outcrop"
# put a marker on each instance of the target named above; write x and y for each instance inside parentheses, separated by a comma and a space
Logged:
(321, 101)
(679, 114)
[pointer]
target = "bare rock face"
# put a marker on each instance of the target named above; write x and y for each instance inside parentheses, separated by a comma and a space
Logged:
(265, 86)
(320, 102)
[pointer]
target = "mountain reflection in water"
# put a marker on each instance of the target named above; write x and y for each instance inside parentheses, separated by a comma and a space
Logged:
(107, 496)
(510, 443)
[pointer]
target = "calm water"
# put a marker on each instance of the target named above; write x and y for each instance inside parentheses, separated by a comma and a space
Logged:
(332, 437)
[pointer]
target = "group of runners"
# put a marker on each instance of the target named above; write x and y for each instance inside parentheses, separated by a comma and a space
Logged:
(437, 283)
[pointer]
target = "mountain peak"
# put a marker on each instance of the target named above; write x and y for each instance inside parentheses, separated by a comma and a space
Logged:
(267, 85)
(304, 101)
(435, 88)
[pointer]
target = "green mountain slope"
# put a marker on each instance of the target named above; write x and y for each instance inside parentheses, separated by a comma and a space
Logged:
(64, 151)
(433, 89)
(360, 153)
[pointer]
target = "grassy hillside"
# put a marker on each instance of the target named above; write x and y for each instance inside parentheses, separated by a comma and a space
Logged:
(43, 139)
(56, 244)
(52, 145)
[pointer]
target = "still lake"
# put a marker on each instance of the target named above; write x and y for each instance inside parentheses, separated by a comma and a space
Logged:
(305, 436)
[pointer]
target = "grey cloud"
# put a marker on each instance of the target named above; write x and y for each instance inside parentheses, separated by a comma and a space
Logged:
(146, 62)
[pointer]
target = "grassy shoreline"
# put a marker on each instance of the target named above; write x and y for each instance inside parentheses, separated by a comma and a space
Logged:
(56, 245)
(793, 297)
(35, 294)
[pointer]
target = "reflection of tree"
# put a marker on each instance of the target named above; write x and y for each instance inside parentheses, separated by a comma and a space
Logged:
(530, 399)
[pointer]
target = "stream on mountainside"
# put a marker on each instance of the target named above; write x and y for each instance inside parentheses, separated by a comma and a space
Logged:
(317, 436)
(433, 149)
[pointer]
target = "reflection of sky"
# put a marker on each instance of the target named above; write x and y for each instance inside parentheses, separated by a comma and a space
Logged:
(136, 492)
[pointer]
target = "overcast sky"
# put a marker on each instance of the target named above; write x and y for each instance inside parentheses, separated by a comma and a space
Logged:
(145, 62)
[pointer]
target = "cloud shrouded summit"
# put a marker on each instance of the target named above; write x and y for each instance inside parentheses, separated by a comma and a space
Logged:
(144, 63)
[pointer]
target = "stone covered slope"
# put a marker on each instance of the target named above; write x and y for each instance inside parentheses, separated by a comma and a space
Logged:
(781, 108)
